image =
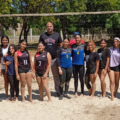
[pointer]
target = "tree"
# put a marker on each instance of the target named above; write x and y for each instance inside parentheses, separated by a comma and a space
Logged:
(70, 23)
(6, 8)
(36, 6)
(113, 21)
(96, 23)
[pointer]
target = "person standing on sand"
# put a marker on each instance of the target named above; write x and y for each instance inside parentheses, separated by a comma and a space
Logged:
(65, 67)
(104, 57)
(42, 64)
(24, 69)
(92, 64)
(78, 50)
(52, 40)
(4, 50)
(113, 69)
(8, 62)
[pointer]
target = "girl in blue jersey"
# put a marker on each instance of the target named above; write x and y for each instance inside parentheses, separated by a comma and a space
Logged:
(65, 67)
(24, 69)
(78, 63)
(8, 61)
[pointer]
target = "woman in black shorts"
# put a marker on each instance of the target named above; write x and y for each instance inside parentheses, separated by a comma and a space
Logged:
(92, 64)
(104, 57)
(114, 71)
(24, 69)
(42, 64)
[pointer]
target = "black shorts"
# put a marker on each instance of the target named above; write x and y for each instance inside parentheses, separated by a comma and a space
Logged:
(3, 71)
(20, 70)
(91, 71)
(40, 75)
(116, 69)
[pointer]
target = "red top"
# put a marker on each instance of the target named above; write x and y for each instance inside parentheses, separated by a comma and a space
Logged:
(73, 41)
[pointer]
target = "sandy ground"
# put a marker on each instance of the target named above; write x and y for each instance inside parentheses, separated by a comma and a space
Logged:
(97, 108)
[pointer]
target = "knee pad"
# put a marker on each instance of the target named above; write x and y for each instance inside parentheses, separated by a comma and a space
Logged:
(67, 83)
(61, 84)
(87, 81)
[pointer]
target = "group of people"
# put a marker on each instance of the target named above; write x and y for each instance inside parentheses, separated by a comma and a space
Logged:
(64, 60)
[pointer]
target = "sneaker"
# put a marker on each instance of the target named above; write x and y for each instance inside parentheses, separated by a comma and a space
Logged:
(57, 95)
(68, 97)
(0, 100)
(61, 97)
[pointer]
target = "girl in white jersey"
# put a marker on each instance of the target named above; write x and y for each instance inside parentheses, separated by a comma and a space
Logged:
(4, 50)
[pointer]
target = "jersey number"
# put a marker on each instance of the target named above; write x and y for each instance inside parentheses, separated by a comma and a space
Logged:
(39, 63)
(25, 62)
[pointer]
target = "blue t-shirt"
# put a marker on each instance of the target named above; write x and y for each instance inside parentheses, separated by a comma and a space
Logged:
(10, 68)
(64, 57)
(78, 54)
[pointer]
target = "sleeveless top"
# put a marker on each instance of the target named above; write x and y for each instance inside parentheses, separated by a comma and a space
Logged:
(23, 60)
(41, 62)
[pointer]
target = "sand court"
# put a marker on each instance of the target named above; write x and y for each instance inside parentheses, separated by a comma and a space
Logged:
(97, 108)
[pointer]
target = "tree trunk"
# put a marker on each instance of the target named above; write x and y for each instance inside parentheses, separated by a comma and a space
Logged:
(26, 31)
(116, 32)
(1, 30)
(21, 34)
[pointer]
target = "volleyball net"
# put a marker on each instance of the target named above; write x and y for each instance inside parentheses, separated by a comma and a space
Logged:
(31, 18)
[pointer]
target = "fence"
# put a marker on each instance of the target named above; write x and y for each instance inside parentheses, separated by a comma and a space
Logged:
(34, 34)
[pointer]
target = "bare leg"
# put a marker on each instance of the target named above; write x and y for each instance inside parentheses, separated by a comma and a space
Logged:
(6, 83)
(39, 81)
(90, 91)
(12, 100)
(23, 82)
(116, 82)
(29, 84)
(92, 79)
(112, 83)
(99, 73)
(45, 85)
(102, 76)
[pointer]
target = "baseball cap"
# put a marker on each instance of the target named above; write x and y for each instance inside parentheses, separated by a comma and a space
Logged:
(77, 33)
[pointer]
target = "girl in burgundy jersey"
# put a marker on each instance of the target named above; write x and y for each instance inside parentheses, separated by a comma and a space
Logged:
(42, 64)
(24, 69)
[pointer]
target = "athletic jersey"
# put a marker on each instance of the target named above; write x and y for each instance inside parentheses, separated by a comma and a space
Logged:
(4, 51)
(10, 68)
(64, 57)
(114, 57)
(78, 54)
(91, 58)
(103, 55)
(23, 60)
(51, 42)
(41, 62)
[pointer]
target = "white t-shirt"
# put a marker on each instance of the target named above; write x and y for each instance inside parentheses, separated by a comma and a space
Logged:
(4, 51)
